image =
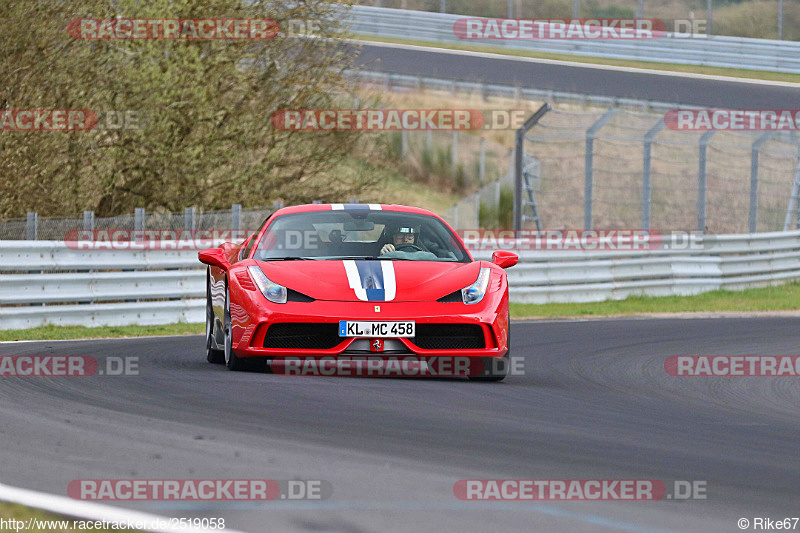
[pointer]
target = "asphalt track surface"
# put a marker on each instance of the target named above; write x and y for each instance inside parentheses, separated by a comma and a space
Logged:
(581, 79)
(594, 403)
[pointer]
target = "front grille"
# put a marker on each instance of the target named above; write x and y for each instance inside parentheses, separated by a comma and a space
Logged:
(449, 337)
(302, 336)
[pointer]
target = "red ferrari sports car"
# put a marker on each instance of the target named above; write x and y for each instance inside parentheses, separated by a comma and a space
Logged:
(334, 281)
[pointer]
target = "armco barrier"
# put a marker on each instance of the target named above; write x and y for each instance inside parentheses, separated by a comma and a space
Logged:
(45, 282)
(716, 51)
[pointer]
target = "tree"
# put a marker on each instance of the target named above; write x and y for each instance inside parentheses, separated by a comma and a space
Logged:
(204, 106)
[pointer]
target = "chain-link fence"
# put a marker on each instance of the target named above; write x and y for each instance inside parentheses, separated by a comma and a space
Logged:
(59, 228)
(619, 168)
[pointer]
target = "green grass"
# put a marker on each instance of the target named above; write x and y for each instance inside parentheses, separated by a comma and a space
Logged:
(20, 512)
(696, 69)
(779, 298)
(81, 332)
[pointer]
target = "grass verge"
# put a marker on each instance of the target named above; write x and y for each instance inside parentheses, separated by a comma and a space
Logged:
(103, 332)
(650, 65)
(779, 298)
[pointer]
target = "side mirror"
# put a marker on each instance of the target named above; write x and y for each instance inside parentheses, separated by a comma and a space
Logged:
(214, 257)
(504, 259)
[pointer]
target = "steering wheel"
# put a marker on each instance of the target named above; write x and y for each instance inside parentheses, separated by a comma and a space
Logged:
(399, 247)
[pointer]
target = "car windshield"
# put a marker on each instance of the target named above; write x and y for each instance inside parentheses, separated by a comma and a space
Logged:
(359, 234)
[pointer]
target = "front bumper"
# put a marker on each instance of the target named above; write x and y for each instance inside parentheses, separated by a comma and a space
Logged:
(250, 326)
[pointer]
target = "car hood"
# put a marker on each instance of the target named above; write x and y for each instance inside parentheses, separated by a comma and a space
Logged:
(360, 280)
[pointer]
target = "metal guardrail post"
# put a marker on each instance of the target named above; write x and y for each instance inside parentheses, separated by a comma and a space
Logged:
(757, 144)
(236, 216)
(646, 190)
(139, 219)
(88, 220)
(588, 186)
(403, 143)
(702, 187)
(189, 218)
(519, 151)
(32, 226)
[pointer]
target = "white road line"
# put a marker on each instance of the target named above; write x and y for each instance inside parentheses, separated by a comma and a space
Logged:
(654, 72)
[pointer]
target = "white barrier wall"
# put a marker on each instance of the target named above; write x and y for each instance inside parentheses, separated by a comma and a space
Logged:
(45, 282)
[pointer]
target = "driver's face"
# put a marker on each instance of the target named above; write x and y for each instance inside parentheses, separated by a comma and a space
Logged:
(403, 238)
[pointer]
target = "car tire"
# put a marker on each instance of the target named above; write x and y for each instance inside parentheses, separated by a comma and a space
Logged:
(231, 361)
(213, 355)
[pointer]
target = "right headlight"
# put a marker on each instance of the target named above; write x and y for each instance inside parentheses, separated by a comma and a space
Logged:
(272, 291)
(474, 293)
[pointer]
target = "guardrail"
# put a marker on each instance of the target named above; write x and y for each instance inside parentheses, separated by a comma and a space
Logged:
(392, 81)
(46, 282)
(716, 51)
(113, 288)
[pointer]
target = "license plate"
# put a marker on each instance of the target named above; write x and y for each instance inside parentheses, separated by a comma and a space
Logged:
(354, 328)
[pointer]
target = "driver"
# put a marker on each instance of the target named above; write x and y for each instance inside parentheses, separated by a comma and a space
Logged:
(401, 237)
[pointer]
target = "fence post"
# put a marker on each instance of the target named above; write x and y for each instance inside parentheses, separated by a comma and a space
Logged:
(588, 186)
(189, 218)
(429, 139)
(701, 181)
(454, 151)
(236, 216)
(794, 199)
(519, 160)
(88, 220)
(138, 219)
(403, 143)
(646, 190)
(32, 226)
(757, 144)
(482, 166)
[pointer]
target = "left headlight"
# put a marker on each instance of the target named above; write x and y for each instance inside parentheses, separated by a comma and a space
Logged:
(474, 293)
(272, 291)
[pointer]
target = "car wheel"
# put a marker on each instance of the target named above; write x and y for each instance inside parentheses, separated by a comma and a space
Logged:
(231, 361)
(213, 355)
